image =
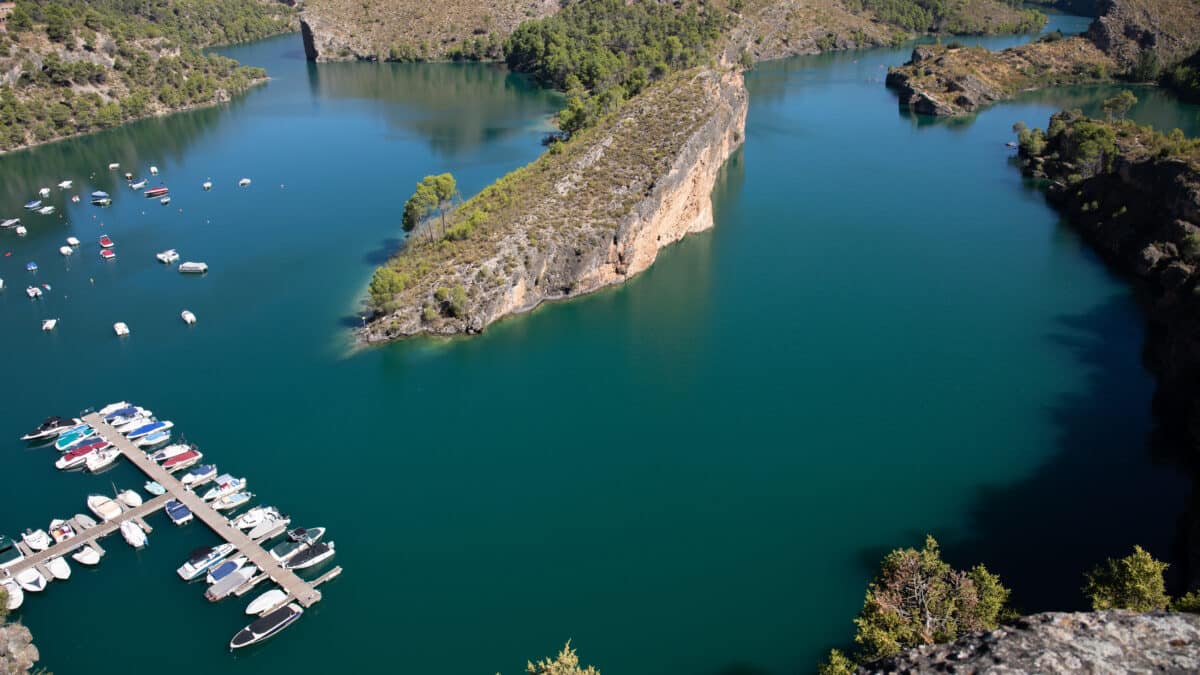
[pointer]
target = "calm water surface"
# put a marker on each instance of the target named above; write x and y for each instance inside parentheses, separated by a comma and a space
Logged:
(888, 333)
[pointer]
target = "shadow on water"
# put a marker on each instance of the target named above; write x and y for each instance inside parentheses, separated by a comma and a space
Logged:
(1096, 497)
(384, 252)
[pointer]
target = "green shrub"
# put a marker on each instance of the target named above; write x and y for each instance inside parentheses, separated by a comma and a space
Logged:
(1134, 582)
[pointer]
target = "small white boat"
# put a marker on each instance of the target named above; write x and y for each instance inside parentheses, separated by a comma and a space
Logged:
(254, 517)
(104, 507)
(199, 475)
(224, 569)
(65, 185)
(271, 624)
(49, 324)
(61, 530)
(31, 580)
(114, 166)
(164, 201)
(33, 291)
(128, 175)
(193, 268)
(168, 256)
(268, 525)
(72, 241)
(154, 171)
(143, 417)
(102, 459)
(233, 501)
(155, 488)
(207, 185)
(10, 222)
(86, 556)
(138, 185)
(66, 250)
(130, 498)
(21, 231)
(243, 182)
(267, 602)
(74, 199)
(170, 451)
(226, 485)
(59, 568)
(37, 540)
(188, 317)
(84, 521)
(120, 328)
(113, 407)
(16, 596)
(151, 440)
(44, 192)
(134, 536)
(46, 210)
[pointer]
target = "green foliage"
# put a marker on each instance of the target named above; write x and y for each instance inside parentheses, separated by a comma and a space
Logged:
(1184, 78)
(948, 16)
(1134, 582)
(3, 604)
(567, 663)
(1146, 68)
(1188, 602)
(1120, 104)
(917, 598)
(433, 195)
(386, 283)
(452, 300)
(601, 52)
(837, 664)
(1031, 141)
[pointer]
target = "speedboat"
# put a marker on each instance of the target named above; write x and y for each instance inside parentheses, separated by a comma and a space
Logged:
(154, 171)
(31, 267)
(102, 459)
(151, 440)
(21, 231)
(104, 507)
(202, 559)
(102, 201)
(155, 488)
(267, 626)
(138, 185)
(59, 568)
(79, 455)
(298, 539)
(226, 485)
(84, 521)
(16, 596)
(10, 222)
(199, 475)
(207, 185)
(86, 556)
(33, 291)
(114, 166)
(310, 556)
(50, 427)
(219, 572)
(65, 250)
(266, 602)
(243, 182)
(99, 194)
(65, 185)
(107, 253)
(44, 192)
(235, 580)
(178, 512)
(9, 553)
(134, 536)
(149, 428)
(46, 210)
(106, 241)
(61, 530)
(113, 407)
(37, 540)
(31, 580)
(168, 256)
(164, 201)
(193, 268)
(155, 192)
(184, 461)
(187, 317)
(171, 451)
(270, 524)
(254, 516)
(49, 324)
(128, 414)
(74, 437)
(141, 419)
(34, 204)
(233, 501)
(130, 498)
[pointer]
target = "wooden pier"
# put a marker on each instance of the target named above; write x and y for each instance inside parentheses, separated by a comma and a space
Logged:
(303, 592)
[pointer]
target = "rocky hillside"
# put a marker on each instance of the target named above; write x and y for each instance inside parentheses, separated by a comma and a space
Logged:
(1083, 642)
(17, 652)
(589, 213)
(411, 30)
(1130, 36)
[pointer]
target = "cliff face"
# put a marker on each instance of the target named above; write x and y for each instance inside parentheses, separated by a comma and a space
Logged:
(1127, 28)
(17, 653)
(1083, 642)
(592, 215)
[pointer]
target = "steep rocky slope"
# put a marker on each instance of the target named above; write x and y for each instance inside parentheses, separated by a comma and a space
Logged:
(17, 652)
(1083, 642)
(591, 214)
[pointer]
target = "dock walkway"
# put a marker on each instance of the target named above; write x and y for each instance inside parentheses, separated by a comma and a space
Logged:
(304, 592)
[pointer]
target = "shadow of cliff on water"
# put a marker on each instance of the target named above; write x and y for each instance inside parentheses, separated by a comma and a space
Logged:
(1097, 496)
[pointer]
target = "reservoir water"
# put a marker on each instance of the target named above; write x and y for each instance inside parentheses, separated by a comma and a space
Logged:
(887, 333)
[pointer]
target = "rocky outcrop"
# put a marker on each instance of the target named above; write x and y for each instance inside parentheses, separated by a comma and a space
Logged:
(1127, 29)
(575, 221)
(17, 652)
(1082, 642)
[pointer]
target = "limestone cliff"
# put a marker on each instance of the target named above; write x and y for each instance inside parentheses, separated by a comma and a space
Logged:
(591, 214)
(17, 653)
(1082, 642)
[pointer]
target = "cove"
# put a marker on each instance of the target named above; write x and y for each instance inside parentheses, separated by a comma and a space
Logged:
(887, 333)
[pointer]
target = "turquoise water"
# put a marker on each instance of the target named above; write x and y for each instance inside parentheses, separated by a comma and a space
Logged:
(887, 333)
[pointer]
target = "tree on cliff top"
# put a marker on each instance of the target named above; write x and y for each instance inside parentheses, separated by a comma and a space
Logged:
(1119, 105)
(917, 599)
(567, 663)
(1134, 582)
(434, 194)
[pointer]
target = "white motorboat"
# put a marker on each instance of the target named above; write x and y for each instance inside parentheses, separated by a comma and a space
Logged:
(33, 291)
(243, 182)
(202, 559)
(49, 324)
(155, 488)
(164, 201)
(66, 250)
(154, 439)
(310, 557)
(148, 428)
(268, 525)
(102, 459)
(138, 185)
(153, 170)
(233, 501)
(51, 427)
(16, 596)
(219, 572)
(193, 267)
(72, 241)
(46, 210)
(298, 540)
(199, 475)
(187, 317)
(267, 602)
(44, 192)
(266, 627)
(114, 166)
(84, 521)
(124, 416)
(112, 408)
(61, 530)
(134, 536)
(130, 498)
(21, 231)
(86, 556)
(59, 568)
(31, 580)
(207, 185)
(121, 328)
(226, 485)
(141, 418)
(254, 516)
(171, 451)
(37, 540)
(168, 256)
(65, 185)
(104, 507)
(10, 222)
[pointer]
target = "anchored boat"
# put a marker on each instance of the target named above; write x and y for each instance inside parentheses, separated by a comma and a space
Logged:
(266, 627)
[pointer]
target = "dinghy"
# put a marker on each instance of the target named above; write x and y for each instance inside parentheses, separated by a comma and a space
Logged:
(267, 602)
(103, 507)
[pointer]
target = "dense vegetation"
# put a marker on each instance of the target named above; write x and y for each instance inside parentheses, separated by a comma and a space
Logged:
(86, 66)
(949, 16)
(601, 52)
(1184, 78)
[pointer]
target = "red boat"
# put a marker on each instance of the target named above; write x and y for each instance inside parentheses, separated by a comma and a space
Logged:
(106, 242)
(182, 461)
(89, 446)
(79, 455)
(156, 192)
(107, 254)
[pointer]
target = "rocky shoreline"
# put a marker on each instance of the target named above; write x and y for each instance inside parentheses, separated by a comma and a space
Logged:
(17, 651)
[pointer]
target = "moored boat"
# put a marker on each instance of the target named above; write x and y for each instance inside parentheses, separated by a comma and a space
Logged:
(220, 590)
(78, 455)
(271, 524)
(254, 516)
(33, 205)
(233, 501)
(298, 538)
(267, 626)
(134, 535)
(187, 317)
(156, 192)
(61, 530)
(44, 192)
(110, 408)
(73, 437)
(193, 268)
(170, 451)
(202, 559)
(243, 182)
(108, 253)
(51, 427)
(227, 567)
(267, 602)
(99, 194)
(47, 210)
(49, 324)
(65, 250)
(84, 521)
(130, 498)
(102, 459)
(138, 185)
(199, 475)
(184, 461)
(65, 185)
(178, 512)
(155, 488)
(86, 556)
(207, 185)
(152, 440)
(168, 256)
(164, 201)
(31, 580)
(10, 222)
(106, 241)
(103, 507)
(148, 428)
(141, 419)
(33, 292)
(59, 568)
(37, 540)
(226, 485)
